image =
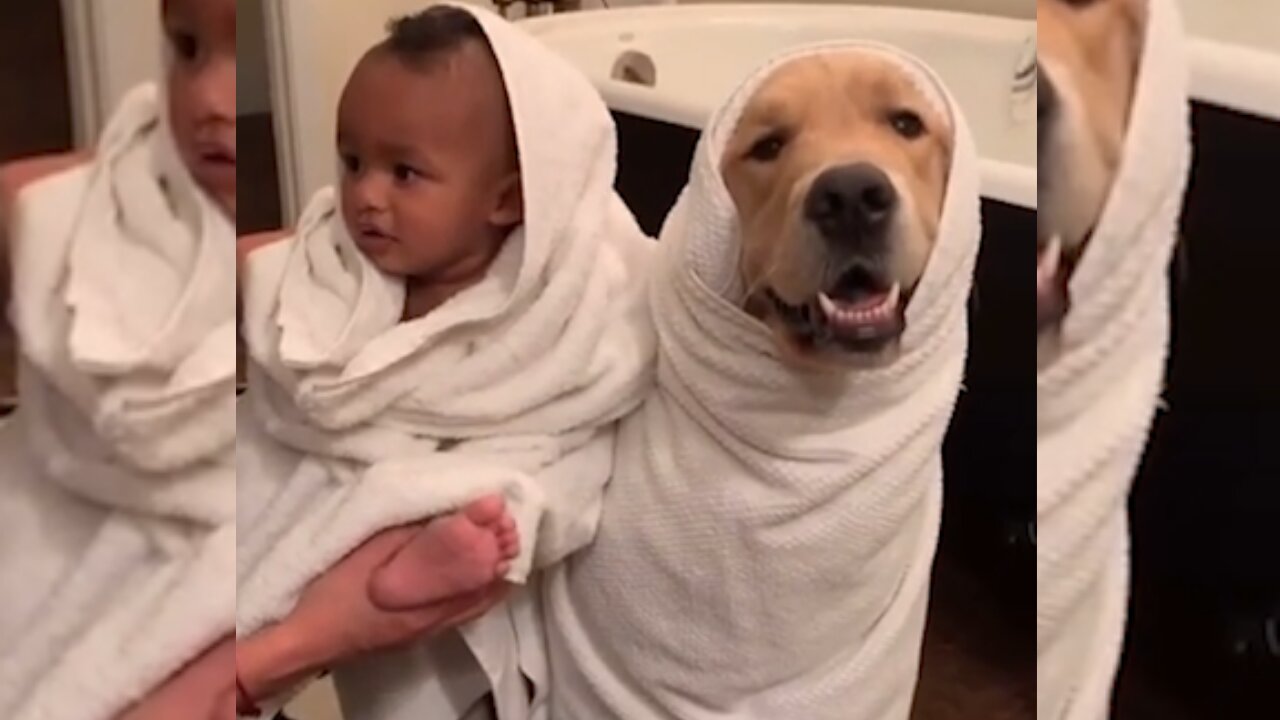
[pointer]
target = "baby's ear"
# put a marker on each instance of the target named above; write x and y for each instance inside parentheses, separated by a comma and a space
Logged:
(508, 209)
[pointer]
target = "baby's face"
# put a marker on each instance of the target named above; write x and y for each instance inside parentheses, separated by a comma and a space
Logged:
(428, 176)
(201, 85)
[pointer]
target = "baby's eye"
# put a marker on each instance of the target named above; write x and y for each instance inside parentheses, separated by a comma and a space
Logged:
(404, 173)
(350, 162)
(184, 44)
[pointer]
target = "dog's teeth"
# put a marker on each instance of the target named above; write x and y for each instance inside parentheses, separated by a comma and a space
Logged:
(1049, 263)
(895, 293)
(828, 305)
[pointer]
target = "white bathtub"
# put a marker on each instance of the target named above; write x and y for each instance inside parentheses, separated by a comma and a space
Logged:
(702, 52)
(1235, 53)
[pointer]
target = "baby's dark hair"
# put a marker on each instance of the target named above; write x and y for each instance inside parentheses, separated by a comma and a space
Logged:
(425, 37)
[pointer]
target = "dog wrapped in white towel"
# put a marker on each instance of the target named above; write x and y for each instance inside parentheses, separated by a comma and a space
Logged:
(512, 386)
(1098, 387)
(767, 540)
(117, 526)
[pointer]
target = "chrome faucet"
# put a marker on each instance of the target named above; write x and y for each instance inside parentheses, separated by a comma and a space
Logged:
(536, 8)
(1024, 87)
(549, 7)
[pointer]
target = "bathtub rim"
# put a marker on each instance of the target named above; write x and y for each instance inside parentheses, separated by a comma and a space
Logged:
(1236, 77)
(1007, 182)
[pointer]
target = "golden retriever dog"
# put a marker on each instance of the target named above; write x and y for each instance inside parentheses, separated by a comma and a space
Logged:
(839, 196)
(1089, 51)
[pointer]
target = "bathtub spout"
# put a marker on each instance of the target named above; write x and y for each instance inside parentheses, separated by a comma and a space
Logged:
(550, 7)
(1025, 81)
(536, 8)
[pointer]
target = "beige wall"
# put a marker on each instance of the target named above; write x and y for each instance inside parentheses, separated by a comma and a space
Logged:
(1025, 9)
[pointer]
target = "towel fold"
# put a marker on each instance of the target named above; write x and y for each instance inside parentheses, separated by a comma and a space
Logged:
(1097, 391)
(117, 530)
(767, 540)
(512, 386)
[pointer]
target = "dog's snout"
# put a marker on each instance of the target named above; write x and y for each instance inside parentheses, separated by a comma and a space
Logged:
(1046, 96)
(850, 202)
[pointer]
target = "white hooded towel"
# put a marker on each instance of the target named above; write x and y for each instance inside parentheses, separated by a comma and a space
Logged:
(117, 493)
(512, 386)
(1097, 394)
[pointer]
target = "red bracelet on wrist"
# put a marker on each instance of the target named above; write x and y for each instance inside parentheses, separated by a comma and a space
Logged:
(245, 707)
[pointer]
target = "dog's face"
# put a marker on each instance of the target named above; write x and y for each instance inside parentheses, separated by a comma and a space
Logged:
(837, 168)
(1089, 51)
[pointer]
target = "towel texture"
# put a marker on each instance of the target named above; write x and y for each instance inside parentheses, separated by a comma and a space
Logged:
(767, 540)
(117, 530)
(1097, 393)
(512, 386)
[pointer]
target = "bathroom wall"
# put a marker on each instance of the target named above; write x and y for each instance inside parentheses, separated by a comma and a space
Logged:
(1254, 23)
(1025, 9)
(111, 47)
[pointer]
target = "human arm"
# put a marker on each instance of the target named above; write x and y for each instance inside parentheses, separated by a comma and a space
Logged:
(334, 620)
(202, 690)
(14, 177)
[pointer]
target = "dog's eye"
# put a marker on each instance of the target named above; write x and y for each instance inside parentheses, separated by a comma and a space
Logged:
(768, 148)
(907, 124)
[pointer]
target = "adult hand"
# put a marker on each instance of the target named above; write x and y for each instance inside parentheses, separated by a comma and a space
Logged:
(14, 176)
(203, 690)
(335, 620)
(339, 602)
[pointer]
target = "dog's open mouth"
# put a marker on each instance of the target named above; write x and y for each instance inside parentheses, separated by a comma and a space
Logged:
(861, 312)
(1053, 270)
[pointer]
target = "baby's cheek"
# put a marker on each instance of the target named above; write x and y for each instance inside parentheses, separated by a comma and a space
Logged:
(180, 117)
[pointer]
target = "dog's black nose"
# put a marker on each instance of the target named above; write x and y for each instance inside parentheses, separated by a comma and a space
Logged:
(1046, 96)
(850, 202)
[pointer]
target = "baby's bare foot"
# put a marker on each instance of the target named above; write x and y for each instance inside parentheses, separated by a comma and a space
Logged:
(453, 555)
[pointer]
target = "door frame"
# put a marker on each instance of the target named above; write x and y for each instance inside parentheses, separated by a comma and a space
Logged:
(111, 46)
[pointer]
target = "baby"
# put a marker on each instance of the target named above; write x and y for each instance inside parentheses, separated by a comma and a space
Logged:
(116, 470)
(430, 191)
(450, 336)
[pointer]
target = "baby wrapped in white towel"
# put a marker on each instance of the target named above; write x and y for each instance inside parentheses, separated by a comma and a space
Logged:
(461, 317)
(117, 489)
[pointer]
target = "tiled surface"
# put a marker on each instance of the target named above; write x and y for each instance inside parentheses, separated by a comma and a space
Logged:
(977, 662)
(316, 703)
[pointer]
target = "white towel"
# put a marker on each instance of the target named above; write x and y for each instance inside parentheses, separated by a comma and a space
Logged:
(1097, 392)
(526, 372)
(767, 539)
(117, 526)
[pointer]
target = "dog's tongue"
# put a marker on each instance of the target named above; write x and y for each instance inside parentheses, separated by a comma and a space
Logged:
(864, 301)
(864, 317)
(1051, 292)
(1047, 264)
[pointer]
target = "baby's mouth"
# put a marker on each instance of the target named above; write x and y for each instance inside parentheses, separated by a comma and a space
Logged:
(216, 167)
(372, 238)
(217, 155)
